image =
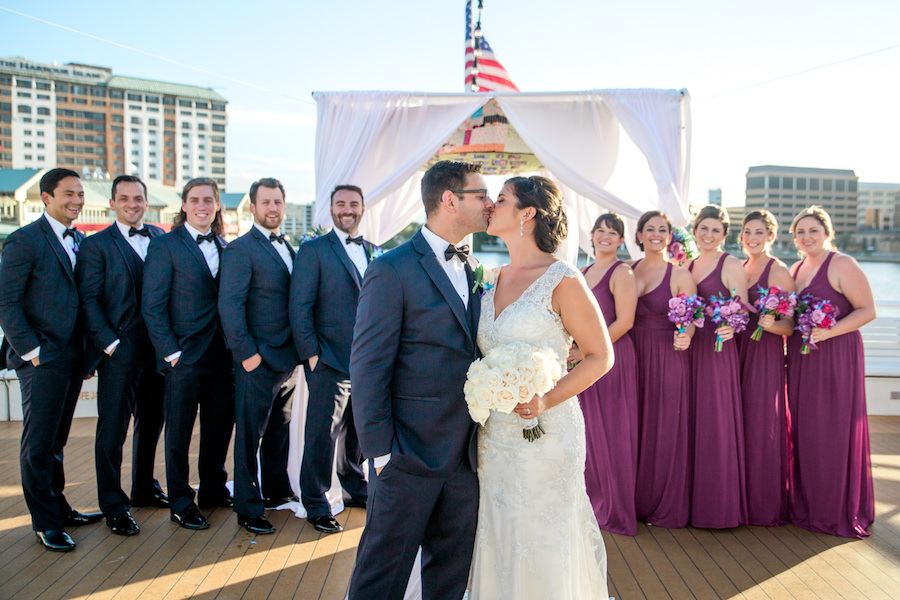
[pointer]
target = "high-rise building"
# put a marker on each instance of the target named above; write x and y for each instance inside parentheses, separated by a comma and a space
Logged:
(85, 118)
(785, 191)
(715, 196)
(877, 202)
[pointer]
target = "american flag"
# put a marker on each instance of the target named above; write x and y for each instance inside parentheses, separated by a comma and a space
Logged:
(491, 76)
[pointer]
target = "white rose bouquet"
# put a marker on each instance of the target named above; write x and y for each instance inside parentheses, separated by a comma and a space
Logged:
(509, 375)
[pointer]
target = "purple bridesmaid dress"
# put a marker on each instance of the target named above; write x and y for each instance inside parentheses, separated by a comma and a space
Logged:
(767, 439)
(832, 487)
(610, 419)
(662, 487)
(717, 495)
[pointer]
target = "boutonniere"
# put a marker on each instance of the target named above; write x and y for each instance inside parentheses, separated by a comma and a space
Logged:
(485, 278)
(75, 247)
(374, 252)
(312, 234)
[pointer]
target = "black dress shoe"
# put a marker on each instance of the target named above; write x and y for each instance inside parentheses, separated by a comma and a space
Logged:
(55, 540)
(351, 503)
(259, 525)
(273, 503)
(157, 499)
(73, 517)
(223, 502)
(326, 524)
(123, 524)
(190, 518)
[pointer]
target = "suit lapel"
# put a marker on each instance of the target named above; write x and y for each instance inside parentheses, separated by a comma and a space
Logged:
(58, 249)
(127, 252)
(441, 281)
(269, 249)
(192, 249)
(342, 255)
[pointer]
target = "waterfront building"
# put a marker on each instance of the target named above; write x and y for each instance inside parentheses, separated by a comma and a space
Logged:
(85, 118)
(877, 206)
(298, 220)
(785, 191)
(715, 196)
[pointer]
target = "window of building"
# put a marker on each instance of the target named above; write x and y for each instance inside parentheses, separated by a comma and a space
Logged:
(839, 185)
(218, 148)
(851, 186)
(185, 125)
(152, 122)
(135, 120)
(98, 92)
(23, 94)
(40, 134)
(27, 157)
(152, 99)
(170, 124)
(27, 144)
(152, 142)
(98, 102)
(801, 183)
(117, 105)
(134, 97)
(185, 103)
(202, 115)
(40, 146)
(827, 184)
(22, 82)
(167, 101)
(152, 109)
(219, 117)
(219, 160)
(814, 185)
(115, 94)
(24, 109)
(79, 101)
(135, 153)
(43, 96)
(43, 110)
(218, 139)
(219, 128)
(218, 170)
(135, 106)
(186, 113)
(26, 131)
(219, 107)
(186, 156)
(787, 183)
(42, 85)
(80, 90)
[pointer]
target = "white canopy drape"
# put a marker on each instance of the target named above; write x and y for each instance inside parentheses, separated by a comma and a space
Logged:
(380, 140)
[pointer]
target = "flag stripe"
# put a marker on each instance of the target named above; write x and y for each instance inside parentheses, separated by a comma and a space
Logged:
(492, 77)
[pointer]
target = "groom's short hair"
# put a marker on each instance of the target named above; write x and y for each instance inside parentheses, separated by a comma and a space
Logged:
(442, 176)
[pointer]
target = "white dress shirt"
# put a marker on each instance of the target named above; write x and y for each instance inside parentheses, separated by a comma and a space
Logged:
(140, 243)
(355, 251)
(454, 268)
(280, 247)
(68, 244)
(209, 249)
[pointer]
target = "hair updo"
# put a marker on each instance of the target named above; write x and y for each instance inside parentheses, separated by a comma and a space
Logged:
(550, 224)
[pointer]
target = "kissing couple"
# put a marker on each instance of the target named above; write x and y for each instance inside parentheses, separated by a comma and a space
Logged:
(494, 513)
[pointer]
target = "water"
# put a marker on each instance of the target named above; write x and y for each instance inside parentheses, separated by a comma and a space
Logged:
(884, 276)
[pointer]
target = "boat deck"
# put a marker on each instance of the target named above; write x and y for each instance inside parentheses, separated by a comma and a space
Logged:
(225, 561)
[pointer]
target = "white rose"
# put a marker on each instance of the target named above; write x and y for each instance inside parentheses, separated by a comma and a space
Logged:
(505, 400)
(478, 414)
(488, 276)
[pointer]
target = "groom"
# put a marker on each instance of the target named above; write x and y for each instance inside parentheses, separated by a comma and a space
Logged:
(414, 340)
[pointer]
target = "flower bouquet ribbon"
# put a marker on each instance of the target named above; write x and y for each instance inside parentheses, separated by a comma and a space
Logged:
(685, 311)
(727, 311)
(813, 312)
(509, 375)
(773, 301)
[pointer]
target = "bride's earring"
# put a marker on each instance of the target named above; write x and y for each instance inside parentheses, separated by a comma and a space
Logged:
(522, 229)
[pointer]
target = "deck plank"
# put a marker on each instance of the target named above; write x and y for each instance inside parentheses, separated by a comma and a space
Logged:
(226, 562)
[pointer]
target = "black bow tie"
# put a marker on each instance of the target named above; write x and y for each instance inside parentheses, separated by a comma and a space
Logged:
(69, 233)
(276, 238)
(209, 237)
(354, 240)
(133, 231)
(462, 252)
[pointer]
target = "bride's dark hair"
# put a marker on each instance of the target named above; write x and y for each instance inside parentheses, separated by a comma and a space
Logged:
(550, 225)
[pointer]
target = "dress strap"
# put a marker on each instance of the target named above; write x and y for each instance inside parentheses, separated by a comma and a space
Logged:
(764, 276)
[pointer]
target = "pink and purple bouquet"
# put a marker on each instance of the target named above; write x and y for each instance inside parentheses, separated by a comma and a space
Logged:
(683, 247)
(813, 312)
(727, 311)
(774, 301)
(685, 311)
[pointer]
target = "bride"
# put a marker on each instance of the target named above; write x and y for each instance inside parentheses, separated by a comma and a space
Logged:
(537, 536)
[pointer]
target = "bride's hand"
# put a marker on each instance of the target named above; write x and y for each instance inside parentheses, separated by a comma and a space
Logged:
(531, 409)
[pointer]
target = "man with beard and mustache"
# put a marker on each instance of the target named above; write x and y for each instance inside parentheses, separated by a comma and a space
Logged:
(328, 274)
(253, 306)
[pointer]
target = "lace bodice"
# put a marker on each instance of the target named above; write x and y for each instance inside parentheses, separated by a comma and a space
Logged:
(530, 318)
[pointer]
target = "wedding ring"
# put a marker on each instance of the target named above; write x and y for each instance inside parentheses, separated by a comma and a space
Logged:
(528, 411)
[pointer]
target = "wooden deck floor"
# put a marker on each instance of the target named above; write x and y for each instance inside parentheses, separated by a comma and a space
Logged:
(165, 561)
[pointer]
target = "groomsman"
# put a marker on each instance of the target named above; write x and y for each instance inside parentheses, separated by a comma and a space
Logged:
(179, 303)
(328, 273)
(253, 304)
(109, 275)
(43, 342)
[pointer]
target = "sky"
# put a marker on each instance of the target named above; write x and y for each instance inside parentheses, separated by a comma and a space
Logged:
(758, 95)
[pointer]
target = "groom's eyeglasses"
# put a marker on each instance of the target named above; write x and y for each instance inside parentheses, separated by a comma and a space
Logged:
(484, 193)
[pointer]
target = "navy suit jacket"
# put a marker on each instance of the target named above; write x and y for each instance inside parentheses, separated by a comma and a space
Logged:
(413, 344)
(180, 297)
(110, 275)
(38, 296)
(253, 302)
(324, 294)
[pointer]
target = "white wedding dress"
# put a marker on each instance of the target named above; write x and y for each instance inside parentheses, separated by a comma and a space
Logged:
(537, 536)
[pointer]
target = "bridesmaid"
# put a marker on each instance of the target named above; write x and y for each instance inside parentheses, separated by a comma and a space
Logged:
(767, 465)
(832, 490)
(662, 487)
(610, 405)
(718, 498)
